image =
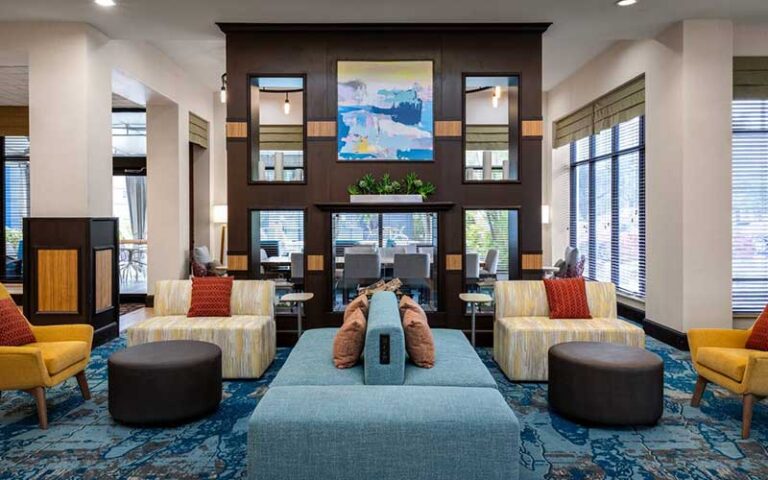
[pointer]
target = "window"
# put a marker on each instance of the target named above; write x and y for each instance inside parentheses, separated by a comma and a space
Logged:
(129, 133)
(369, 247)
(15, 158)
(750, 206)
(608, 205)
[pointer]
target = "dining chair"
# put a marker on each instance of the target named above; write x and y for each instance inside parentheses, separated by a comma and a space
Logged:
(413, 270)
(491, 263)
(360, 268)
(297, 269)
(472, 267)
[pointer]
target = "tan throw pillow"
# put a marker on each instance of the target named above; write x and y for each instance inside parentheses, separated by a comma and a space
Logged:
(418, 336)
(360, 303)
(349, 341)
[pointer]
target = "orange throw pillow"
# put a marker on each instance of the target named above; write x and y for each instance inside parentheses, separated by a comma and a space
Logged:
(567, 298)
(14, 328)
(419, 342)
(758, 337)
(360, 303)
(211, 297)
(349, 341)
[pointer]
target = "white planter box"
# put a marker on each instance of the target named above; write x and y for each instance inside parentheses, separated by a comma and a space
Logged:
(385, 199)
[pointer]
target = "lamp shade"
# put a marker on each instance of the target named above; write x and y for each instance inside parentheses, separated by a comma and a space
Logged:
(545, 214)
(219, 214)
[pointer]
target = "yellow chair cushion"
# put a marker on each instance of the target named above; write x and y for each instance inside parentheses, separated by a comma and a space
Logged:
(59, 355)
(730, 362)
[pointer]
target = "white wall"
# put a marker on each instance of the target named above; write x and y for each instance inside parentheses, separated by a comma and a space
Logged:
(687, 73)
(271, 109)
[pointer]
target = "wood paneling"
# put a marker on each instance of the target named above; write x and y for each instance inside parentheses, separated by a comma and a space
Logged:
(237, 130)
(448, 128)
(315, 263)
(532, 261)
(14, 121)
(453, 262)
(237, 263)
(103, 278)
(57, 279)
(533, 128)
(321, 129)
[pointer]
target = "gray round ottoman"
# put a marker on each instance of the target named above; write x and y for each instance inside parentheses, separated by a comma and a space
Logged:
(606, 383)
(164, 382)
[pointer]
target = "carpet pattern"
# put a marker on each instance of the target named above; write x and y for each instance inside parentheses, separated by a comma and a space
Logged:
(84, 443)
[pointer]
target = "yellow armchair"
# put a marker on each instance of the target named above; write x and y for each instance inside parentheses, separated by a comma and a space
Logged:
(720, 356)
(59, 352)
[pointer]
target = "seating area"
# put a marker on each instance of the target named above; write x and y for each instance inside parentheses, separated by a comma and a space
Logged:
(384, 241)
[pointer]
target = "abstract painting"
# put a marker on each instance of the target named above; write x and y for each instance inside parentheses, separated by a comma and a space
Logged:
(385, 110)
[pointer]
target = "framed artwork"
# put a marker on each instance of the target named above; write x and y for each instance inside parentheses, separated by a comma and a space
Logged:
(385, 111)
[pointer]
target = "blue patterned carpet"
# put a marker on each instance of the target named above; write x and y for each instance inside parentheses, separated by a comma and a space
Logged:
(83, 441)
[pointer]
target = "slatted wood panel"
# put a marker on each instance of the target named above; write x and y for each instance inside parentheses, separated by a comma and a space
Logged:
(321, 129)
(103, 280)
(315, 263)
(198, 130)
(237, 263)
(14, 121)
(532, 261)
(237, 130)
(57, 279)
(533, 128)
(453, 262)
(448, 128)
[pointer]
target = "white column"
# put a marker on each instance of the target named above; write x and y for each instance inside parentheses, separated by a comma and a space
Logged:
(167, 193)
(219, 167)
(70, 124)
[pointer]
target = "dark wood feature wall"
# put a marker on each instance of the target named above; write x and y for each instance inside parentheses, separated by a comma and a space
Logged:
(313, 51)
(71, 273)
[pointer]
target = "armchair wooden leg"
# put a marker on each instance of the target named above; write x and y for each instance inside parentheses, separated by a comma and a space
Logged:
(83, 382)
(746, 420)
(42, 410)
(701, 385)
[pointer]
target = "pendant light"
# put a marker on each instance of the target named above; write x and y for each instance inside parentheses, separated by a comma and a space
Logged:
(223, 92)
(287, 105)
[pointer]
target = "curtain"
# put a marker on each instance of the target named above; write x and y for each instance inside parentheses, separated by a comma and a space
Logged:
(136, 189)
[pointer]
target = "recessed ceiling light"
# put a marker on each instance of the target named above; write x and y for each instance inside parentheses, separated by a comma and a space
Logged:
(625, 3)
(105, 3)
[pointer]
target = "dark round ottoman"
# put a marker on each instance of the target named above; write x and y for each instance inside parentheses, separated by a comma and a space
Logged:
(606, 383)
(164, 382)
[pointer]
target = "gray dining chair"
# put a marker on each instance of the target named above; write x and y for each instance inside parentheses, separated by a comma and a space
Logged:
(297, 268)
(472, 266)
(360, 269)
(413, 270)
(491, 263)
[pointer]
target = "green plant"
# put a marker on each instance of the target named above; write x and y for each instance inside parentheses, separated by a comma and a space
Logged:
(367, 185)
(411, 184)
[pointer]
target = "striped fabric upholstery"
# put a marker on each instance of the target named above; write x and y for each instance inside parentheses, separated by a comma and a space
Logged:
(523, 331)
(247, 338)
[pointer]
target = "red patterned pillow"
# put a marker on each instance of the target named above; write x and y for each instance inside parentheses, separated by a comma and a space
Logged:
(567, 298)
(14, 328)
(211, 297)
(758, 337)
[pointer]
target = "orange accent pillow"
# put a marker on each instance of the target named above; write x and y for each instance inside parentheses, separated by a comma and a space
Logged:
(419, 342)
(567, 298)
(14, 328)
(211, 297)
(360, 303)
(758, 337)
(349, 341)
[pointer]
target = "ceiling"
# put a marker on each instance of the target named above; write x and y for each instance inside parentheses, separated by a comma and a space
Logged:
(186, 30)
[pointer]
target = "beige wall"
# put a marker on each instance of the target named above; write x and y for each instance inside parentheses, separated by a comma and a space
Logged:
(688, 73)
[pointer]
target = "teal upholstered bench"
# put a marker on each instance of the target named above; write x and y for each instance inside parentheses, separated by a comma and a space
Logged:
(384, 419)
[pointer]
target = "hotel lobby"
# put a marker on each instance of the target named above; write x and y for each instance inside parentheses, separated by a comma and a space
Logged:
(404, 241)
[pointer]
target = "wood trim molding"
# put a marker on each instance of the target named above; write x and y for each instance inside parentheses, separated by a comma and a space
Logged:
(103, 279)
(237, 130)
(533, 128)
(237, 263)
(321, 129)
(315, 263)
(448, 128)
(532, 261)
(14, 121)
(453, 262)
(57, 281)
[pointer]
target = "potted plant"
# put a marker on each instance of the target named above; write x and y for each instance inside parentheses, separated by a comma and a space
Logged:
(410, 189)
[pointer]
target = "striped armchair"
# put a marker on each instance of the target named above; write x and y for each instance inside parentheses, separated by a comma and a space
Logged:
(523, 331)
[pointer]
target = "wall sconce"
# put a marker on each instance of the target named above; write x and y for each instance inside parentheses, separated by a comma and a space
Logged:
(545, 215)
(223, 92)
(287, 105)
(219, 214)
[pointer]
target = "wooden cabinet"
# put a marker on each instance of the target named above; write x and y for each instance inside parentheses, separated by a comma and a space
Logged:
(71, 273)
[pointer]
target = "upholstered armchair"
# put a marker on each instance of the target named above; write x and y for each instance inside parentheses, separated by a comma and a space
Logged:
(60, 352)
(720, 356)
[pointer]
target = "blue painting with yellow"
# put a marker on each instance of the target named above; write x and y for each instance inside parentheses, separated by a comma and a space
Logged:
(385, 110)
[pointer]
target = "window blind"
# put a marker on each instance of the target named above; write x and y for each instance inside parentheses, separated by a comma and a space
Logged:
(750, 78)
(281, 232)
(198, 130)
(608, 205)
(617, 106)
(486, 230)
(750, 206)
